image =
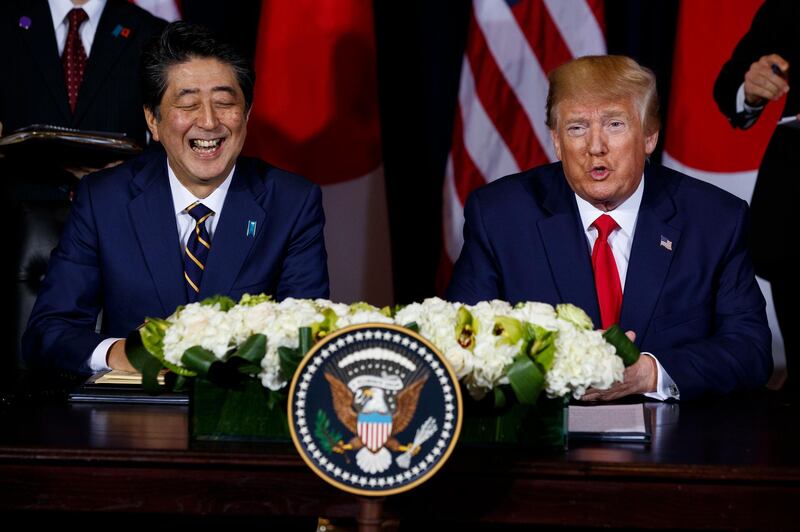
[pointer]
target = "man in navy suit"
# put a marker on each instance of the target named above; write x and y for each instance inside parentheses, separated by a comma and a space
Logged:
(134, 246)
(668, 261)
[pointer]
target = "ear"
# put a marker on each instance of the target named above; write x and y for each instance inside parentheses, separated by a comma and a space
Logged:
(556, 143)
(650, 143)
(152, 123)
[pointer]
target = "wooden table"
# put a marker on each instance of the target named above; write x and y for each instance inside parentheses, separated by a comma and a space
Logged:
(723, 463)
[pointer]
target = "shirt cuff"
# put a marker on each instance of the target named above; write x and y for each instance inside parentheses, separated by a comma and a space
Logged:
(748, 112)
(98, 360)
(665, 386)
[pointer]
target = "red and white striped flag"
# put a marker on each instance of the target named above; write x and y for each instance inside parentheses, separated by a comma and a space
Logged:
(500, 118)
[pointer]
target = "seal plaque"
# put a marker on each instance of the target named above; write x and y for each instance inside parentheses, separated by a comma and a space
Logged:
(374, 409)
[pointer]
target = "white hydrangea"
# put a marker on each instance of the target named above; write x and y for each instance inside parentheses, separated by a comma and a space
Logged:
(540, 314)
(583, 359)
(196, 324)
(491, 359)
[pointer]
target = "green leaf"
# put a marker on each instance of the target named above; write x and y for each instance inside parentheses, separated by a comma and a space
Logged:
(526, 379)
(413, 326)
(289, 360)
(543, 347)
(145, 362)
(499, 397)
(225, 303)
(306, 342)
(153, 334)
(198, 359)
(626, 349)
(248, 300)
(150, 371)
(274, 399)
(253, 349)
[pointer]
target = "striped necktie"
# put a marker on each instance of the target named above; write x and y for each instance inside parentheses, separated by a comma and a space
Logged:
(197, 248)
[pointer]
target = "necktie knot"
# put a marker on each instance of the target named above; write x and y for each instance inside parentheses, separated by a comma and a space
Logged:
(77, 17)
(199, 212)
(604, 224)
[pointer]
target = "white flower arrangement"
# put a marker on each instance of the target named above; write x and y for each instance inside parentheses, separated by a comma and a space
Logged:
(530, 346)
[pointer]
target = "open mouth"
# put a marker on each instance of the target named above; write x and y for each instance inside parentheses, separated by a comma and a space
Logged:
(206, 146)
(599, 172)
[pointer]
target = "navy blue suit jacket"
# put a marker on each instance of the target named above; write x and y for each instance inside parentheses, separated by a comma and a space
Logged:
(696, 307)
(120, 252)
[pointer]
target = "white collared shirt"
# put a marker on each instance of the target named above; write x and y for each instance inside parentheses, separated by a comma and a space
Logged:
(181, 198)
(621, 242)
(59, 9)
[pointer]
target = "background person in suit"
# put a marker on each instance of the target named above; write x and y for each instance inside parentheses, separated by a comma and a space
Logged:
(33, 37)
(260, 228)
(672, 266)
(762, 68)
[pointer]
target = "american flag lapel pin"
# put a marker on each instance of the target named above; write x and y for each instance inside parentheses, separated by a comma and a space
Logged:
(666, 243)
(251, 228)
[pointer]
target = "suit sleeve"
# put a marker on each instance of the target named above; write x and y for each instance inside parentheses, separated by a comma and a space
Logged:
(475, 277)
(305, 267)
(61, 330)
(737, 355)
(768, 34)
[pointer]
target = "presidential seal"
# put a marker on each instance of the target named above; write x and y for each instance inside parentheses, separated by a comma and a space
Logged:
(374, 409)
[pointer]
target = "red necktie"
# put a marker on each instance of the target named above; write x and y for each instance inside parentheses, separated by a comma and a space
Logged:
(74, 57)
(606, 276)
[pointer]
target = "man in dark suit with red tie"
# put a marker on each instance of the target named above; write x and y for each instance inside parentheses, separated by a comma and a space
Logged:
(658, 252)
(41, 46)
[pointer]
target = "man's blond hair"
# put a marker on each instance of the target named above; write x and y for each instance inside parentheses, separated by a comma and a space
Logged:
(605, 78)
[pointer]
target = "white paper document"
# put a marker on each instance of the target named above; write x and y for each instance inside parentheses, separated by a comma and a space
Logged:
(608, 422)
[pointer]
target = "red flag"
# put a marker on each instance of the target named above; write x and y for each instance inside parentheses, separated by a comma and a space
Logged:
(500, 119)
(316, 113)
(699, 139)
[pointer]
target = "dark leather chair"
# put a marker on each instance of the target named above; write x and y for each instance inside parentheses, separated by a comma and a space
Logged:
(38, 228)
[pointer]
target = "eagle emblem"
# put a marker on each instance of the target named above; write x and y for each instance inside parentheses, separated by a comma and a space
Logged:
(362, 407)
(374, 409)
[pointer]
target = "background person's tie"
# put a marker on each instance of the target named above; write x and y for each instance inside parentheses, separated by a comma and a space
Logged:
(74, 56)
(606, 276)
(197, 247)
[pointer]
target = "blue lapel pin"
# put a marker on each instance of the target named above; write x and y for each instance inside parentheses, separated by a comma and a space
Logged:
(25, 22)
(666, 243)
(251, 228)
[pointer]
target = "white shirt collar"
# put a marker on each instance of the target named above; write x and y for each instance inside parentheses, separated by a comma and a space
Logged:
(182, 198)
(60, 8)
(625, 214)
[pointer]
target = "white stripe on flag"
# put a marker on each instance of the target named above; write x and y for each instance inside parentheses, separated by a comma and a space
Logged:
(481, 140)
(518, 63)
(578, 26)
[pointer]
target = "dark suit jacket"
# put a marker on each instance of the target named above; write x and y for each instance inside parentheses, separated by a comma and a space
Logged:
(773, 31)
(696, 307)
(33, 89)
(120, 252)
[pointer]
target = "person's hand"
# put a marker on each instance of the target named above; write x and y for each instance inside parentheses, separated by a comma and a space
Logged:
(761, 84)
(640, 377)
(117, 359)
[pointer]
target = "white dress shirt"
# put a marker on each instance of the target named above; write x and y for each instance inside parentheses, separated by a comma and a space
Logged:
(181, 198)
(59, 9)
(621, 241)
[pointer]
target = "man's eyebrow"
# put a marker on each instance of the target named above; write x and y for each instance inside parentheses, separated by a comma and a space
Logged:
(219, 88)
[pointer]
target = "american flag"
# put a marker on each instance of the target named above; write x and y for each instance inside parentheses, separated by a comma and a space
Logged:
(500, 118)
